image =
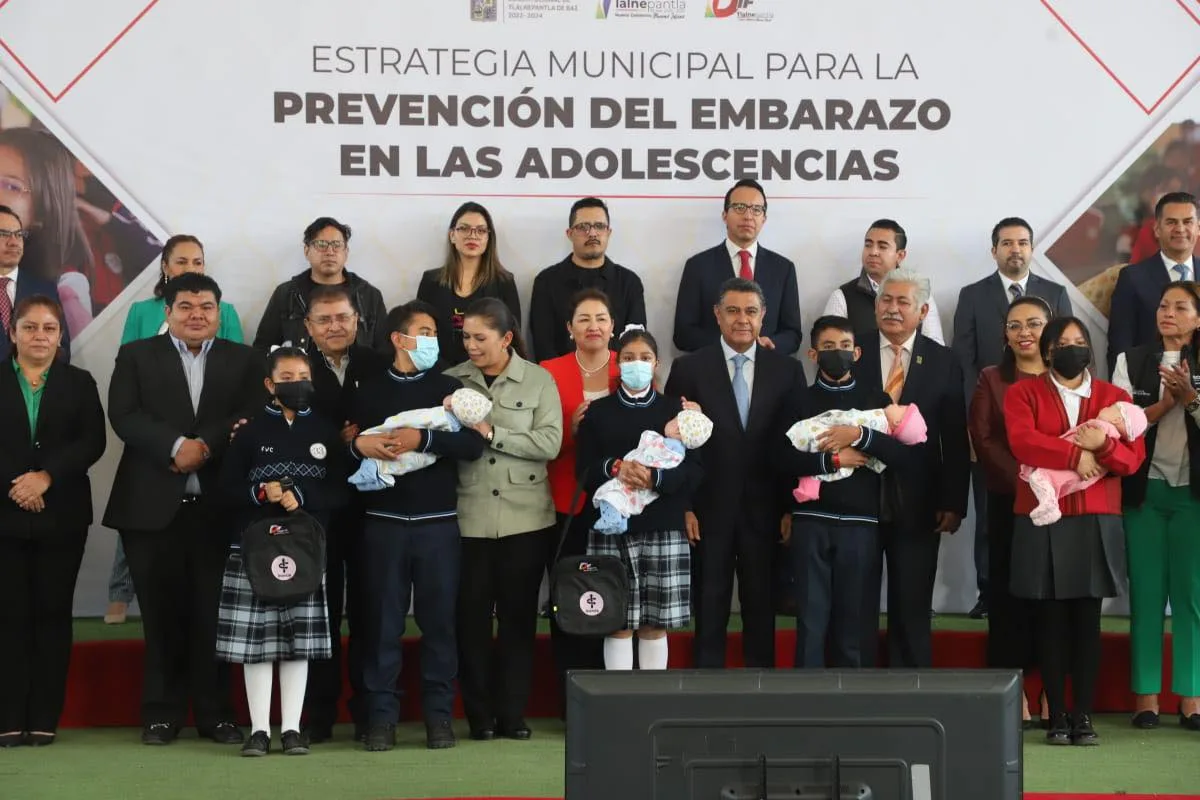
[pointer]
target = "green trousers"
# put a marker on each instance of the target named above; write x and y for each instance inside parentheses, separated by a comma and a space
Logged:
(1162, 540)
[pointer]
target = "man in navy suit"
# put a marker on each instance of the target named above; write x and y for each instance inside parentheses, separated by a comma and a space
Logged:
(739, 256)
(16, 285)
(1131, 322)
(930, 499)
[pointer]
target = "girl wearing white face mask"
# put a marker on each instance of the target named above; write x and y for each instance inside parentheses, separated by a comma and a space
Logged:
(655, 548)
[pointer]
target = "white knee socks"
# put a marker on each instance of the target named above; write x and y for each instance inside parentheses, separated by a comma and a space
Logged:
(293, 679)
(652, 653)
(258, 694)
(618, 653)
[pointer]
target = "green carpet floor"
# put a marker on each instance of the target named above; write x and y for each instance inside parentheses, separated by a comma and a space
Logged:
(109, 764)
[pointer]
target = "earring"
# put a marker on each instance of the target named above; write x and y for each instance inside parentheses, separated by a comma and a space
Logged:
(571, 336)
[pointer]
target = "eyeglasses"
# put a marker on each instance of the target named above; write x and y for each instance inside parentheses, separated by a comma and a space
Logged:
(1032, 325)
(5, 235)
(12, 186)
(742, 208)
(325, 320)
(468, 232)
(585, 228)
(336, 245)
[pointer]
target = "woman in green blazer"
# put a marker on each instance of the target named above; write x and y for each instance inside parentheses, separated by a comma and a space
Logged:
(182, 253)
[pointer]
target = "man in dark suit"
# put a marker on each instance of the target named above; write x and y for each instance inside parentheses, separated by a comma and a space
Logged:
(739, 256)
(979, 342)
(744, 387)
(1131, 322)
(173, 401)
(16, 284)
(929, 499)
(339, 366)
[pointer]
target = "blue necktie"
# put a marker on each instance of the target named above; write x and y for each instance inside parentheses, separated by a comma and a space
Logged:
(741, 391)
(1185, 272)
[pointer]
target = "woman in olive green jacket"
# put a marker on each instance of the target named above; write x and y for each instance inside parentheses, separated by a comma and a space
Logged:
(507, 519)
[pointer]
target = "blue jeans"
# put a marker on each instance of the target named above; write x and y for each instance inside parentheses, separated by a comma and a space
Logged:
(120, 582)
(400, 560)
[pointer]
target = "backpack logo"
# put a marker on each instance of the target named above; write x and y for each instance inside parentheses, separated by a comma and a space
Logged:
(283, 568)
(591, 604)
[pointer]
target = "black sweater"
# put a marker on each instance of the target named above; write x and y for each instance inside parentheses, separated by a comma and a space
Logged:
(451, 308)
(611, 428)
(309, 451)
(428, 495)
(336, 401)
(853, 500)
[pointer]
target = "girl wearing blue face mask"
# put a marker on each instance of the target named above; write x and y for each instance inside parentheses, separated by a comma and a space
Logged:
(655, 548)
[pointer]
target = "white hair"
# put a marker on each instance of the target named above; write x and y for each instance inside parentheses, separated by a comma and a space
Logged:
(909, 276)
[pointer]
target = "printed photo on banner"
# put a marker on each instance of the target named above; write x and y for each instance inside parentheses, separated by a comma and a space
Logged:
(1118, 228)
(78, 233)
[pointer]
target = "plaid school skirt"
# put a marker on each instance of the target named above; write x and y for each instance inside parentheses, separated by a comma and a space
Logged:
(250, 631)
(659, 565)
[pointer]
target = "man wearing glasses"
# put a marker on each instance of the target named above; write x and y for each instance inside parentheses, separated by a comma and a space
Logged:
(739, 256)
(16, 285)
(326, 246)
(588, 267)
(979, 342)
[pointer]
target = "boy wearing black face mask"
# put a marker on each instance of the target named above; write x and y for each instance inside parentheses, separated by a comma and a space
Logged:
(834, 538)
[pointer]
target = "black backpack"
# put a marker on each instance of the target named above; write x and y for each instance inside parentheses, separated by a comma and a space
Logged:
(589, 595)
(284, 557)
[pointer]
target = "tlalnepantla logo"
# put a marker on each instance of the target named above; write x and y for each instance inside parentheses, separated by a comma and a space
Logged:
(747, 10)
(641, 9)
(485, 10)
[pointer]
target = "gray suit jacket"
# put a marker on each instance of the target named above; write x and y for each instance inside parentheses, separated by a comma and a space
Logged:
(979, 321)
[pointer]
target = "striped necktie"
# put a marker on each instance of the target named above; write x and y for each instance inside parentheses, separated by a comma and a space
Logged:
(895, 380)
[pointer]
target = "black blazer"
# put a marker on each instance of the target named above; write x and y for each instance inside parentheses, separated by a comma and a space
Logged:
(150, 407)
(700, 286)
(1131, 321)
(941, 467)
(979, 321)
(738, 475)
(70, 438)
(336, 401)
(29, 284)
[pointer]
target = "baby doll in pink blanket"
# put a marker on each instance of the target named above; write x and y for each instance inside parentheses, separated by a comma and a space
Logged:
(1119, 421)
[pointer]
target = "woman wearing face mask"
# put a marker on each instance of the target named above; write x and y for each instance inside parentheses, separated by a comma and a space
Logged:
(1162, 508)
(1070, 566)
(182, 253)
(507, 519)
(1011, 620)
(655, 548)
(285, 441)
(582, 377)
(470, 272)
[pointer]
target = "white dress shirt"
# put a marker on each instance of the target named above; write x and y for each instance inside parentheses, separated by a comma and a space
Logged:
(887, 358)
(1073, 398)
(736, 260)
(931, 327)
(339, 369)
(12, 287)
(1170, 265)
(747, 368)
(1009, 283)
(193, 371)
(1170, 461)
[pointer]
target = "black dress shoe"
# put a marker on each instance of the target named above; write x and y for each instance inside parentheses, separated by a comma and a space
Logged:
(380, 738)
(980, 611)
(258, 745)
(14, 739)
(1082, 733)
(482, 731)
(1060, 730)
(1145, 720)
(318, 734)
(440, 735)
(159, 733)
(1030, 724)
(40, 739)
(223, 733)
(514, 729)
(1191, 723)
(294, 744)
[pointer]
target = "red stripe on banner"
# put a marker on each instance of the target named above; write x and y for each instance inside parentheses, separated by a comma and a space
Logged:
(1028, 796)
(21, 64)
(531, 195)
(104, 52)
(1188, 11)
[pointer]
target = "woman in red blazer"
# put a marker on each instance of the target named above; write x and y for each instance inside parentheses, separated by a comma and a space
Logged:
(1069, 566)
(589, 373)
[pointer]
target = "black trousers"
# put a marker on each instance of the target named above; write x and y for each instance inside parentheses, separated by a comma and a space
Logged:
(911, 556)
(1069, 636)
(572, 652)
(504, 574)
(834, 566)
(1012, 621)
(343, 594)
(747, 551)
(982, 547)
(38, 576)
(177, 575)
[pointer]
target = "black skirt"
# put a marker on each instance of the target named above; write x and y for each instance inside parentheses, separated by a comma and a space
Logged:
(1073, 558)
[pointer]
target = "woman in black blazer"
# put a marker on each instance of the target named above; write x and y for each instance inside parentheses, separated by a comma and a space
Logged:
(53, 427)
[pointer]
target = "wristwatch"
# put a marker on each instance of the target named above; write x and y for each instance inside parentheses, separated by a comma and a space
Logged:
(491, 434)
(1194, 405)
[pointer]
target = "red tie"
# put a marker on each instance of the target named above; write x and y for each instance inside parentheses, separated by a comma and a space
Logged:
(746, 272)
(6, 307)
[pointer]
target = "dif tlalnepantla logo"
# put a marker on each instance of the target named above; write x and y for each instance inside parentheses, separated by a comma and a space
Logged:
(644, 9)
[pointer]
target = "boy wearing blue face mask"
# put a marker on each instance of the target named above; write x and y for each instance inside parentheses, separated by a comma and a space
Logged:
(410, 544)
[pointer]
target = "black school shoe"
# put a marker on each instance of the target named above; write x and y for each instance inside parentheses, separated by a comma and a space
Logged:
(381, 738)
(259, 744)
(1082, 733)
(440, 735)
(294, 744)
(223, 733)
(514, 729)
(159, 733)
(1060, 730)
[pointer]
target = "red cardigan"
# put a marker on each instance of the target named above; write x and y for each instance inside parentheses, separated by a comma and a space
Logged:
(1035, 417)
(565, 371)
